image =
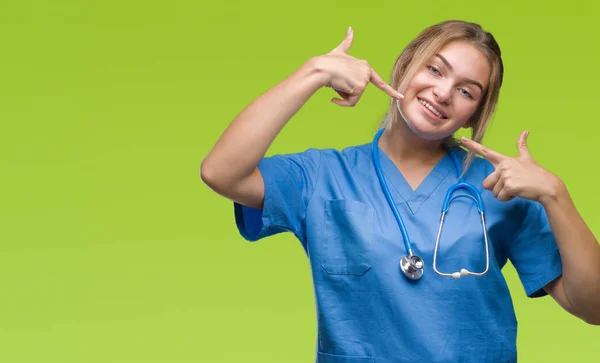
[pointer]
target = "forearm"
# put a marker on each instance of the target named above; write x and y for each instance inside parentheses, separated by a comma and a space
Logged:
(579, 251)
(247, 139)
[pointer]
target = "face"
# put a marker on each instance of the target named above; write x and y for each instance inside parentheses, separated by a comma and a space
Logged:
(446, 92)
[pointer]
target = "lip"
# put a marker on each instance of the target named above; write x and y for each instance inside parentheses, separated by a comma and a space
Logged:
(435, 105)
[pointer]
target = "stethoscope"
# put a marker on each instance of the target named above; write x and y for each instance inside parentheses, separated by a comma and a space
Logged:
(412, 265)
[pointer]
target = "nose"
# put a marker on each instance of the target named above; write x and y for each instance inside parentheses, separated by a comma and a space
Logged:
(442, 93)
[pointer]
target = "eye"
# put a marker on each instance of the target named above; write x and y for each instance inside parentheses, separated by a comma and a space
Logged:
(434, 69)
(466, 93)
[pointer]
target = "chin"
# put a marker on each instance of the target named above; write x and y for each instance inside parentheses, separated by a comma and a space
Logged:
(427, 128)
(430, 136)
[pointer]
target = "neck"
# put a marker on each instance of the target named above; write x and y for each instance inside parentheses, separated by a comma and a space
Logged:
(403, 146)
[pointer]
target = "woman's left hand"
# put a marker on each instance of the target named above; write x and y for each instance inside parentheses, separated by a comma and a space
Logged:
(518, 176)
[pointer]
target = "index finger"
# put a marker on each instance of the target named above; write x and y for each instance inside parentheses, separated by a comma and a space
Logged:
(492, 156)
(384, 86)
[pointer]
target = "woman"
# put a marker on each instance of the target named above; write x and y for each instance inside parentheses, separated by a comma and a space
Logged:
(373, 305)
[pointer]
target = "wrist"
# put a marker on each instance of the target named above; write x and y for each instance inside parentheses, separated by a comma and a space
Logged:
(556, 191)
(316, 69)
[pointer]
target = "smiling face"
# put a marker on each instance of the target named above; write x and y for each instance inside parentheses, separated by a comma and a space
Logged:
(444, 95)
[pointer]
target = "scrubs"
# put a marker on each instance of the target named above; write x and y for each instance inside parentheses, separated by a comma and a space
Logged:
(367, 310)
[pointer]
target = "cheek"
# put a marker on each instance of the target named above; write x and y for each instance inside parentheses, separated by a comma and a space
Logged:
(419, 81)
(465, 109)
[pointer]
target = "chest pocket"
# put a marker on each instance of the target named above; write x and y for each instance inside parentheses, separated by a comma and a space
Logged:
(348, 236)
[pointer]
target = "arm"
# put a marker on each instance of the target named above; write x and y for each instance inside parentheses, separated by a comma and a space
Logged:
(578, 289)
(230, 168)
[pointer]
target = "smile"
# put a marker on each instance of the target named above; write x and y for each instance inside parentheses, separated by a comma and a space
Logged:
(431, 108)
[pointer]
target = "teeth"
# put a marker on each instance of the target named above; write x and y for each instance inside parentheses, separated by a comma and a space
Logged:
(431, 108)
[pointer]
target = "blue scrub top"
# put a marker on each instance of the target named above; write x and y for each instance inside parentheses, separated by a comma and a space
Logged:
(367, 310)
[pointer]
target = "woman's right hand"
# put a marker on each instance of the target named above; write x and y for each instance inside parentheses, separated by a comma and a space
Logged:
(349, 76)
(231, 167)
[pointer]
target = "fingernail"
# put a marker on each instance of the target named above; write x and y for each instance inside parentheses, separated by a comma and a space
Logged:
(400, 95)
(464, 139)
(526, 133)
(349, 30)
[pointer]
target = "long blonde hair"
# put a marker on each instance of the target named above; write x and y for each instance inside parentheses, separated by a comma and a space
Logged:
(424, 47)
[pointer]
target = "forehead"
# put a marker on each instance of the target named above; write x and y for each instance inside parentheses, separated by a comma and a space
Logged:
(467, 61)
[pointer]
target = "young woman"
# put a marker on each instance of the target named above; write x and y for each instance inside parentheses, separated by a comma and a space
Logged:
(393, 281)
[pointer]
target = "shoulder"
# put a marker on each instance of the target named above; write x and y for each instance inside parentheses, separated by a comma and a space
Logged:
(350, 155)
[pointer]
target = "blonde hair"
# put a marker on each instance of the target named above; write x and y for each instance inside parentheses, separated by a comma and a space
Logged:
(425, 46)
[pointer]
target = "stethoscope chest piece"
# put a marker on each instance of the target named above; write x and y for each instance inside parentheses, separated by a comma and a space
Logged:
(412, 266)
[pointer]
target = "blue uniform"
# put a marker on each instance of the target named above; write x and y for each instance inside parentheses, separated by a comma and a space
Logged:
(367, 310)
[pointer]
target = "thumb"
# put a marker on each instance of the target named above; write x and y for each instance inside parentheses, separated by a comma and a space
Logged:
(522, 145)
(346, 43)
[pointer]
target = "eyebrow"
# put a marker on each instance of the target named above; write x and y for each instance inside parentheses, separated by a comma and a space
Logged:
(450, 68)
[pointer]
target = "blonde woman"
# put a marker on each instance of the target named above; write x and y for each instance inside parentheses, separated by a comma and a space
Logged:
(392, 283)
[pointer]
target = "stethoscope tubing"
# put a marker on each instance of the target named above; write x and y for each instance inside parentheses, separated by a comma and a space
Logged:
(414, 272)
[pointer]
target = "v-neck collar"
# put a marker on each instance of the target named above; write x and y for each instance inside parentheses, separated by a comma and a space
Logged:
(396, 181)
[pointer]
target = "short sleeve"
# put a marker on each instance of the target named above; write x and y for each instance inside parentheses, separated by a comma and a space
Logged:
(534, 252)
(290, 181)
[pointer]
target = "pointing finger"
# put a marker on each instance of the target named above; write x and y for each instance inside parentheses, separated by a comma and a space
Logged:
(492, 156)
(384, 86)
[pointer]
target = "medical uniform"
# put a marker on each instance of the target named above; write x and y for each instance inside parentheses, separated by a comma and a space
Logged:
(367, 310)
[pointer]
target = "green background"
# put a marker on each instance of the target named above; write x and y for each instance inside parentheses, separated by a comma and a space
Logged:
(111, 247)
